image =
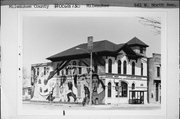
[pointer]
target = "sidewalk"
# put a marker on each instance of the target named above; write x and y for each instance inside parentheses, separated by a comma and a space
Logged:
(72, 105)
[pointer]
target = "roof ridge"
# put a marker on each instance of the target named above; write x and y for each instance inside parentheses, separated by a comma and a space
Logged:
(136, 41)
(100, 46)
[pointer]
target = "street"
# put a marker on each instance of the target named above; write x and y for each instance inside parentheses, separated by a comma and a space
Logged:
(56, 106)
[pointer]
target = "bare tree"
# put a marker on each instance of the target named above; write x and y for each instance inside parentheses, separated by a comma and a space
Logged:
(154, 23)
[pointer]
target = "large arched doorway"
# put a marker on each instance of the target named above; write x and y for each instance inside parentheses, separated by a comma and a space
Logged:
(109, 89)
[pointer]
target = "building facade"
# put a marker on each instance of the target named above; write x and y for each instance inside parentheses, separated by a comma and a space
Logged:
(119, 70)
(154, 78)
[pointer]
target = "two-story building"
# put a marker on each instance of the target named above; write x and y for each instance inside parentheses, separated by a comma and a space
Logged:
(154, 78)
(121, 69)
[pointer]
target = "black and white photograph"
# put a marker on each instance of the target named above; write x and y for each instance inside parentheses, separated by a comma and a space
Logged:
(89, 63)
(92, 63)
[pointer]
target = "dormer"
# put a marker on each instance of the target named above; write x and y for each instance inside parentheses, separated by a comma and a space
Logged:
(137, 46)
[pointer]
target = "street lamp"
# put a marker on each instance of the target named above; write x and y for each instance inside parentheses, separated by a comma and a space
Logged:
(90, 100)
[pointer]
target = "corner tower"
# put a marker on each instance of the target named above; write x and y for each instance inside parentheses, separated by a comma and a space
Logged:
(138, 46)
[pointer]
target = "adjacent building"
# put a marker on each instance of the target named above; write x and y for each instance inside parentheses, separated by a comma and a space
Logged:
(26, 89)
(119, 70)
(154, 78)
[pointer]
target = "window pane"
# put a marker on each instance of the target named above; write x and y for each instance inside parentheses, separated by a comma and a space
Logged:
(141, 69)
(124, 67)
(133, 86)
(119, 67)
(80, 69)
(133, 68)
(109, 89)
(44, 70)
(110, 66)
(124, 89)
(158, 71)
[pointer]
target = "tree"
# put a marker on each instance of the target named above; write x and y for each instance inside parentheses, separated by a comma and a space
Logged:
(154, 23)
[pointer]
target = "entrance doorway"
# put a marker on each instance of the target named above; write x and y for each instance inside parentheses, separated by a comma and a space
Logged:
(136, 97)
(157, 92)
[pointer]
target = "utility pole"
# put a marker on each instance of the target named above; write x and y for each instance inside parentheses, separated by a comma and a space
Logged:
(90, 47)
(90, 50)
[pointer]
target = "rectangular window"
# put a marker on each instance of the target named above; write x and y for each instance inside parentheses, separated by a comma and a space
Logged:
(141, 50)
(141, 69)
(158, 71)
(80, 70)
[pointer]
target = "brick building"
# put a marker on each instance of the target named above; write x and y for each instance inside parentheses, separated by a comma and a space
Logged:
(154, 78)
(121, 70)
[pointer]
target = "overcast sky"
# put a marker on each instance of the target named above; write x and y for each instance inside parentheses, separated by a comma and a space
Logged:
(46, 36)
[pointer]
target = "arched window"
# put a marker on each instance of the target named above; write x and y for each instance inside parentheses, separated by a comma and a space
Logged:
(124, 89)
(109, 89)
(80, 69)
(44, 70)
(133, 86)
(141, 69)
(119, 66)
(62, 71)
(124, 67)
(133, 68)
(109, 66)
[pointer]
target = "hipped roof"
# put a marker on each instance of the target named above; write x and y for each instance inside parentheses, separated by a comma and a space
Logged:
(101, 48)
(135, 41)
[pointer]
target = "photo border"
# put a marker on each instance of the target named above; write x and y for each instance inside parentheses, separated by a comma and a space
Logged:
(108, 13)
(164, 48)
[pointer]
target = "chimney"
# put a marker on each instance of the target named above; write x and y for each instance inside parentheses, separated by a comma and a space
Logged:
(90, 42)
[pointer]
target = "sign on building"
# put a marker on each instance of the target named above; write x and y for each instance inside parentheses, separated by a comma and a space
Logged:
(90, 43)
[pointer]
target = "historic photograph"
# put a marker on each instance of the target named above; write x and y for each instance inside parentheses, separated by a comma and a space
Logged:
(91, 63)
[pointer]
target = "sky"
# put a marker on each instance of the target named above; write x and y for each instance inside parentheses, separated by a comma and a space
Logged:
(46, 36)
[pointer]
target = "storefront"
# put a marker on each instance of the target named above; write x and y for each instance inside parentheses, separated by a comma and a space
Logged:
(136, 96)
(119, 89)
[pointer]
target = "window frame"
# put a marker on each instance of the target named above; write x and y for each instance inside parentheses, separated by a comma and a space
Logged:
(119, 66)
(44, 70)
(109, 90)
(141, 49)
(142, 69)
(124, 67)
(109, 65)
(158, 71)
(133, 68)
(126, 89)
